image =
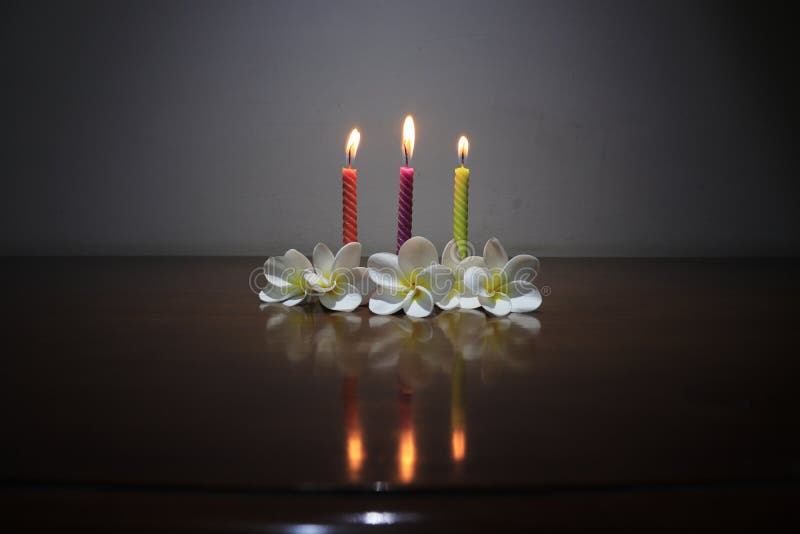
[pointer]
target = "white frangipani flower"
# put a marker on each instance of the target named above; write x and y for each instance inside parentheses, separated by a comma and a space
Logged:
(340, 283)
(285, 281)
(460, 295)
(413, 280)
(504, 286)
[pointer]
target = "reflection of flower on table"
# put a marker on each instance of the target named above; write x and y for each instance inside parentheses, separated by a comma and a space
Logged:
(290, 330)
(304, 332)
(494, 341)
(476, 337)
(414, 346)
(416, 349)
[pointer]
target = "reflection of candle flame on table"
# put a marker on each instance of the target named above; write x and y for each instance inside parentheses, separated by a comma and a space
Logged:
(458, 419)
(355, 445)
(415, 348)
(407, 454)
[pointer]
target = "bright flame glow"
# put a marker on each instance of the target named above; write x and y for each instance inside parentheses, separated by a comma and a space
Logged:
(378, 518)
(351, 147)
(408, 136)
(355, 452)
(463, 147)
(459, 445)
(408, 455)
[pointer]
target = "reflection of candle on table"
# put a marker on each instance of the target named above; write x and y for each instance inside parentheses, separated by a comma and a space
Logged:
(355, 445)
(406, 198)
(461, 200)
(350, 191)
(458, 419)
(407, 453)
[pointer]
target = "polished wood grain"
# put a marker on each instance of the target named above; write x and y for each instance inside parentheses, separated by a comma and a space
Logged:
(134, 375)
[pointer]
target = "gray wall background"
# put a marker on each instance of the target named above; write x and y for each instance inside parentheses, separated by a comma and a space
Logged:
(596, 128)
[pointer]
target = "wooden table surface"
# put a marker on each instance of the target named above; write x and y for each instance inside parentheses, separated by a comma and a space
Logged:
(158, 393)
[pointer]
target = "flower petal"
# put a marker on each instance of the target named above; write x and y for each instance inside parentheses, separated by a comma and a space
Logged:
(362, 282)
(385, 302)
(277, 272)
(342, 298)
(348, 257)
(522, 268)
(384, 270)
(470, 261)
(416, 254)
(437, 279)
(466, 263)
(323, 259)
(475, 279)
(297, 260)
(450, 301)
(297, 299)
(317, 282)
(287, 269)
(494, 254)
(498, 304)
(450, 255)
(420, 304)
(273, 293)
(469, 303)
(524, 297)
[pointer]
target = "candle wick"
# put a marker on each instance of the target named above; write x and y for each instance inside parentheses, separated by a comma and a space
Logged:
(405, 150)
(349, 151)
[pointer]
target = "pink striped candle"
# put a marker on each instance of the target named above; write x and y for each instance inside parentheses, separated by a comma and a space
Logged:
(406, 196)
(405, 205)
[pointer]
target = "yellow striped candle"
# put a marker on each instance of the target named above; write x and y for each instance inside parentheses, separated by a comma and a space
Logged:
(461, 199)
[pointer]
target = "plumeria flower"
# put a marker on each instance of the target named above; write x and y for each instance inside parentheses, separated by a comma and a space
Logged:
(338, 281)
(285, 282)
(413, 280)
(504, 286)
(460, 295)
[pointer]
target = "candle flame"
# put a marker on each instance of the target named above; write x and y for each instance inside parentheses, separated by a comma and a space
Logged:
(351, 147)
(355, 452)
(463, 148)
(407, 455)
(459, 443)
(408, 136)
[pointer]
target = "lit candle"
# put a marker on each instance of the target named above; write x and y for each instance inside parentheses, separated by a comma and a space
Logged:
(461, 199)
(406, 198)
(350, 191)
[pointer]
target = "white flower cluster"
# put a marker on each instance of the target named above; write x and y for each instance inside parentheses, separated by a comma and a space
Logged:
(414, 280)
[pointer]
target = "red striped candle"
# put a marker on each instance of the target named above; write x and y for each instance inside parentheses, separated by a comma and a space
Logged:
(349, 206)
(350, 191)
